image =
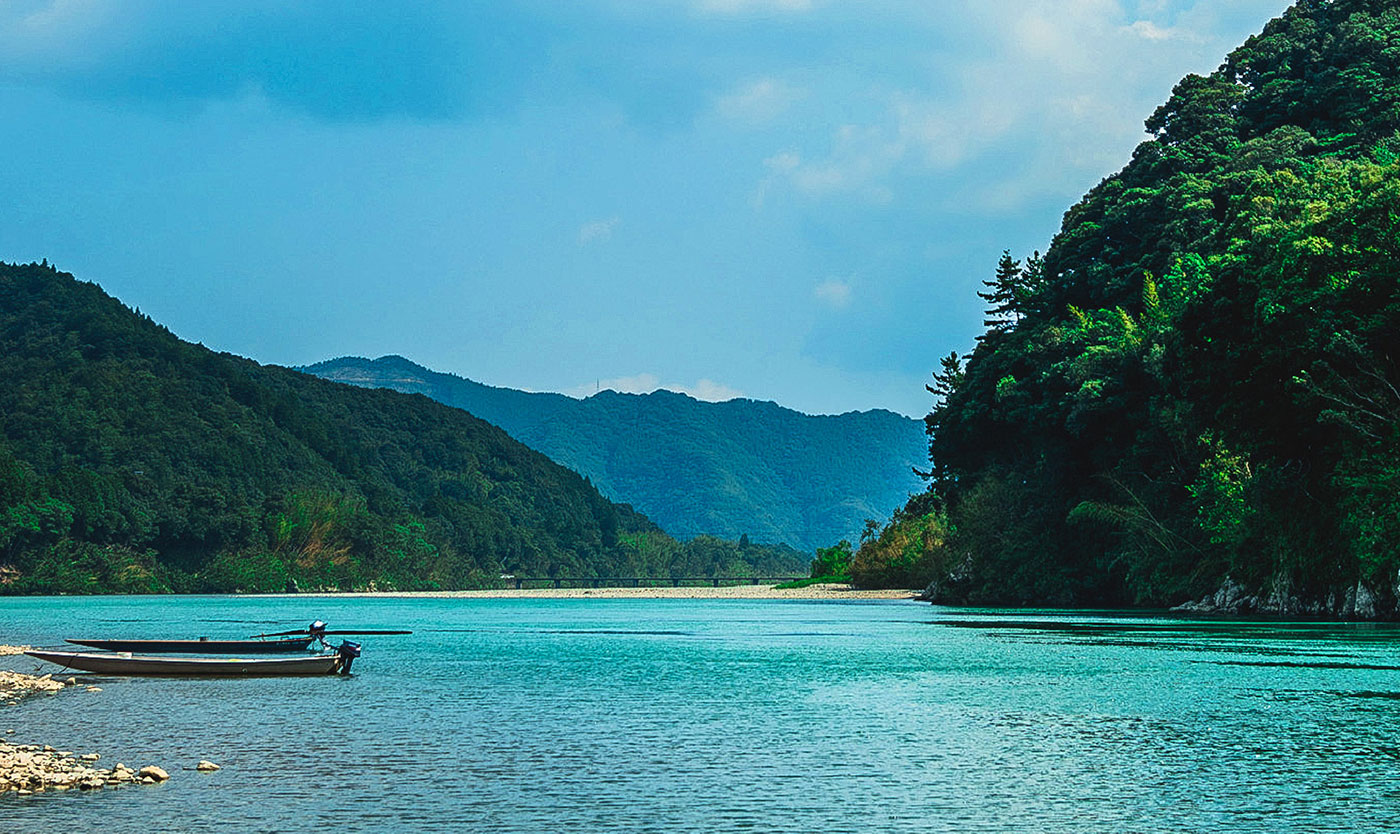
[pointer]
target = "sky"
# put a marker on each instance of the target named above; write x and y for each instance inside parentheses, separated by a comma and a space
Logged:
(787, 200)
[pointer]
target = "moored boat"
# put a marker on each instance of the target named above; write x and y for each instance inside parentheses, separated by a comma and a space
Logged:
(200, 646)
(299, 640)
(127, 664)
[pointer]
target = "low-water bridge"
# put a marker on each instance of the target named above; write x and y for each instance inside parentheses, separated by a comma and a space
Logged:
(522, 582)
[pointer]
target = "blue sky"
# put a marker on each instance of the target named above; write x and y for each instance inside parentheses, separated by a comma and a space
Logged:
(791, 200)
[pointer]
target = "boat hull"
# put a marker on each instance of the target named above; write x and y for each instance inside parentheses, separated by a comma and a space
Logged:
(113, 664)
(294, 644)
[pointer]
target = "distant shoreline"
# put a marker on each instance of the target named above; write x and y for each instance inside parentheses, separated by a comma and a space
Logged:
(811, 592)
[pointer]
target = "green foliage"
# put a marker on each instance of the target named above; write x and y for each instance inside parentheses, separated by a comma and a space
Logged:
(1202, 382)
(130, 460)
(833, 562)
(1220, 493)
(651, 554)
(907, 553)
(813, 580)
(257, 571)
(72, 567)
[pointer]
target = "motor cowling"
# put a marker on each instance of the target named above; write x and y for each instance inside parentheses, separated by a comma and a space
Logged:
(348, 651)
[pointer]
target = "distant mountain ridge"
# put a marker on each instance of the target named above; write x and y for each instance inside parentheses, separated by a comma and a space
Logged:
(730, 469)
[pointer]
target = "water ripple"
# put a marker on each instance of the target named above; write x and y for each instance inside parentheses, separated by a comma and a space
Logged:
(743, 716)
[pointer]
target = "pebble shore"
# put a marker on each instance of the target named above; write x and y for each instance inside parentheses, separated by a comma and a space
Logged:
(32, 768)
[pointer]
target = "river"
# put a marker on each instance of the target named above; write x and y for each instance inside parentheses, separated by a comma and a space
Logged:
(510, 715)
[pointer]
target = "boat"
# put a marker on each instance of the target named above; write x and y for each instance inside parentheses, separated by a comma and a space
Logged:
(201, 646)
(124, 663)
(299, 640)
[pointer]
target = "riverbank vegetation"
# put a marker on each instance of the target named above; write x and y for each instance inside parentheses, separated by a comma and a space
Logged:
(1197, 383)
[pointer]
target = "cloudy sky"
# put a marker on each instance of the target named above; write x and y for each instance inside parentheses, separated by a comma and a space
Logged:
(792, 200)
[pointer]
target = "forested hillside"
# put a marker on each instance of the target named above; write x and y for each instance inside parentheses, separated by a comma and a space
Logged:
(131, 460)
(1194, 391)
(728, 469)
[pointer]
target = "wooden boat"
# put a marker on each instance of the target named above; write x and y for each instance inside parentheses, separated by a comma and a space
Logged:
(127, 664)
(201, 646)
(298, 640)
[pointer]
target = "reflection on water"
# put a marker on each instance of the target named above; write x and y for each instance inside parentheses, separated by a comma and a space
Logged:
(717, 715)
(1299, 664)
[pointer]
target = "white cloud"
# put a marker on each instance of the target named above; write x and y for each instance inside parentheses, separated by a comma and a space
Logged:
(597, 230)
(859, 157)
(1147, 30)
(61, 32)
(758, 101)
(703, 389)
(783, 162)
(1056, 89)
(834, 293)
(733, 7)
(711, 391)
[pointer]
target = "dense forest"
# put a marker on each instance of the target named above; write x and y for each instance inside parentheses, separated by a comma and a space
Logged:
(1194, 392)
(133, 461)
(728, 469)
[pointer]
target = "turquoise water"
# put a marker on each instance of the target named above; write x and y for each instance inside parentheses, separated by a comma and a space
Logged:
(718, 715)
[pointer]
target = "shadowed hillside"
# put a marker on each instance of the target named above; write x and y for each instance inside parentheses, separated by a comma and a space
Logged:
(729, 469)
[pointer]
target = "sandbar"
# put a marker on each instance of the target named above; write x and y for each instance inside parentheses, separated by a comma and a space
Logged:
(811, 592)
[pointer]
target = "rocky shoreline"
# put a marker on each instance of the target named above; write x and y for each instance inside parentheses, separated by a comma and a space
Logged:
(29, 768)
(1279, 598)
(32, 768)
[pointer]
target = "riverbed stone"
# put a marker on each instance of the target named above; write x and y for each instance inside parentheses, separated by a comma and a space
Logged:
(31, 768)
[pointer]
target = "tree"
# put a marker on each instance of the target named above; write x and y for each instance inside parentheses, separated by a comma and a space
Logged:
(834, 561)
(947, 380)
(1234, 282)
(1004, 294)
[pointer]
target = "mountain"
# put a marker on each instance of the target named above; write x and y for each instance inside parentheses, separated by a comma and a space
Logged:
(1194, 394)
(131, 460)
(729, 469)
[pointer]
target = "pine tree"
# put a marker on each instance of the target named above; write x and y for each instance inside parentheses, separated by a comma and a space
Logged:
(1004, 294)
(945, 381)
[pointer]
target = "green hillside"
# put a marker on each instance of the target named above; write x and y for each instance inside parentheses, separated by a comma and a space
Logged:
(131, 460)
(1194, 392)
(728, 469)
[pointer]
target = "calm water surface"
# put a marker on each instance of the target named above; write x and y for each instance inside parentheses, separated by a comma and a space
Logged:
(716, 715)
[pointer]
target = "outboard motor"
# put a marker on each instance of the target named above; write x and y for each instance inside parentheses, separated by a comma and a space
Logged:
(348, 651)
(317, 630)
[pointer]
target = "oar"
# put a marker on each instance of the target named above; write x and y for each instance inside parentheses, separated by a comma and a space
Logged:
(301, 631)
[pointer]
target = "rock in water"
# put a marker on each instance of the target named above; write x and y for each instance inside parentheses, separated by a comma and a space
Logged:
(153, 772)
(206, 766)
